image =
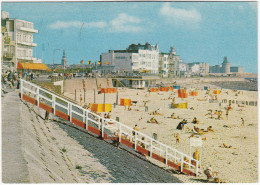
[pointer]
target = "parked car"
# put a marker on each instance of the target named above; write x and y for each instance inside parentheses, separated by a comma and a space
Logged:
(53, 74)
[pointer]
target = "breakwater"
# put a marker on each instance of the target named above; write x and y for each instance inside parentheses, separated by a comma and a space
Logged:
(238, 85)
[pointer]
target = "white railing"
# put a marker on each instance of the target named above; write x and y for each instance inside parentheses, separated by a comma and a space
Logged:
(110, 127)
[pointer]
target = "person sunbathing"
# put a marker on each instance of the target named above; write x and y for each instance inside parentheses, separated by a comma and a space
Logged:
(153, 120)
(173, 116)
(226, 146)
(209, 129)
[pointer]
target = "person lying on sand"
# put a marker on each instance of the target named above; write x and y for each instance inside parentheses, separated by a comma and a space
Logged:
(174, 117)
(129, 108)
(209, 129)
(153, 120)
(155, 113)
(240, 105)
(225, 146)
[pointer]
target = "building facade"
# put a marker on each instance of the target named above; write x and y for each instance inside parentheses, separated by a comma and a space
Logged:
(169, 64)
(17, 42)
(136, 58)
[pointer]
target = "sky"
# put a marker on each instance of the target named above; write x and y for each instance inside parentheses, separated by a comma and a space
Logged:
(200, 31)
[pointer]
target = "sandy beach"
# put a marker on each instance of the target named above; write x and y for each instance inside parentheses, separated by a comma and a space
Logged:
(236, 165)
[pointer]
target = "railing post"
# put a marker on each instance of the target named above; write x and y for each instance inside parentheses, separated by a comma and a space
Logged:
(166, 155)
(120, 132)
(21, 88)
(86, 119)
(181, 162)
(197, 168)
(70, 111)
(151, 147)
(38, 96)
(135, 138)
(53, 103)
(102, 127)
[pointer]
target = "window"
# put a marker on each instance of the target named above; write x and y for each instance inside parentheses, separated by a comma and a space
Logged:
(130, 57)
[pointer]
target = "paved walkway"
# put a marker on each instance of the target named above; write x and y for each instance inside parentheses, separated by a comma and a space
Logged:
(14, 169)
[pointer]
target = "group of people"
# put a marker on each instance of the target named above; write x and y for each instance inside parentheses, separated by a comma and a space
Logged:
(10, 79)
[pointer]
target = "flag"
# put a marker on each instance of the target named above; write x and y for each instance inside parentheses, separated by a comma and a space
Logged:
(89, 62)
(81, 61)
(99, 62)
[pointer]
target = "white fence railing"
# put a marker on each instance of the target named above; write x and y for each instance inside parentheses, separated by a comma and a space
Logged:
(108, 128)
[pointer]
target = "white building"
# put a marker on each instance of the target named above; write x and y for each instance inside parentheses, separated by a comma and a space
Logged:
(136, 58)
(169, 64)
(17, 40)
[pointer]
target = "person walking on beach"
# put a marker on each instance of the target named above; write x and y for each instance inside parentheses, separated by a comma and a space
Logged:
(243, 122)
(178, 139)
(227, 113)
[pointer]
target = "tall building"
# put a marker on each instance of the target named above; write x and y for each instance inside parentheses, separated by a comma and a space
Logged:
(169, 64)
(17, 42)
(136, 58)
(64, 60)
(225, 68)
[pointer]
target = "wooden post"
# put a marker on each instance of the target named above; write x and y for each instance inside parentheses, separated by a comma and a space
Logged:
(84, 96)
(94, 96)
(104, 97)
(116, 97)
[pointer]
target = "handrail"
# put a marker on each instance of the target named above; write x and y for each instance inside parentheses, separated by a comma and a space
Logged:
(103, 123)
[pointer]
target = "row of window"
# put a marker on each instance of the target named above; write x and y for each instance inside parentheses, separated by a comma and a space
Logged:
(24, 37)
(149, 56)
(24, 52)
(24, 24)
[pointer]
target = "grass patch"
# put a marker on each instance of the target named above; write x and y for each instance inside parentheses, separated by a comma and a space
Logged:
(64, 150)
(78, 167)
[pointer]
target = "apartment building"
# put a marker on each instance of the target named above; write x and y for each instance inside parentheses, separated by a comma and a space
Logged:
(17, 42)
(135, 58)
(169, 64)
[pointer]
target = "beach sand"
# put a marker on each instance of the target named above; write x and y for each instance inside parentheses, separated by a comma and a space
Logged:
(233, 165)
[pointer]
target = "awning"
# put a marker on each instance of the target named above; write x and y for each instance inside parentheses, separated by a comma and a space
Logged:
(32, 66)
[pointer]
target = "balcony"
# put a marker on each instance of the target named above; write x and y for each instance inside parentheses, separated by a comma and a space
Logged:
(27, 43)
(26, 58)
(28, 30)
(8, 55)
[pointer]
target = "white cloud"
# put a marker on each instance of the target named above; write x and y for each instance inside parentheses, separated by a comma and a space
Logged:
(125, 23)
(122, 23)
(180, 17)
